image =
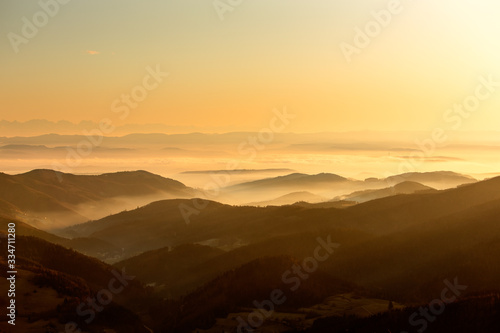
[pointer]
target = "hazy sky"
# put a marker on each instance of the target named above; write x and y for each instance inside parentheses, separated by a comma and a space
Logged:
(264, 54)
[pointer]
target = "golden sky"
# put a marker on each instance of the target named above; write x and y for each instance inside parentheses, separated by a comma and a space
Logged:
(264, 54)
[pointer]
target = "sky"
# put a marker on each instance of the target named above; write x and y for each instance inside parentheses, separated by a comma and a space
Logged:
(229, 66)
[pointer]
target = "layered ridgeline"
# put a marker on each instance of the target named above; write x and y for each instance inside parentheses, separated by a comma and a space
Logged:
(93, 247)
(50, 199)
(175, 222)
(451, 236)
(251, 232)
(209, 270)
(285, 189)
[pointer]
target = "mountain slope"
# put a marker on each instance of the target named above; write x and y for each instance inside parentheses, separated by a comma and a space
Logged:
(331, 185)
(239, 288)
(162, 224)
(411, 264)
(171, 270)
(398, 212)
(406, 187)
(178, 272)
(477, 313)
(291, 198)
(89, 246)
(293, 180)
(439, 179)
(51, 283)
(49, 199)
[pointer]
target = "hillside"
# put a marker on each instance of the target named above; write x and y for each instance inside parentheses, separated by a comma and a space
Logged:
(173, 281)
(49, 199)
(162, 223)
(439, 180)
(291, 198)
(294, 179)
(408, 266)
(332, 185)
(52, 281)
(399, 248)
(398, 212)
(407, 187)
(172, 272)
(411, 264)
(239, 288)
(89, 246)
(477, 313)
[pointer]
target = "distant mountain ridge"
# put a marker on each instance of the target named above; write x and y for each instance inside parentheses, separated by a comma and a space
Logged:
(293, 179)
(291, 198)
(406, 187)
(50, 198)
(161, 223)
(298, 179)
(334, 186)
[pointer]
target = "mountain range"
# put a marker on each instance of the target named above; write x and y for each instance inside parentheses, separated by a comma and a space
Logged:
(50, 199)
(389, 252)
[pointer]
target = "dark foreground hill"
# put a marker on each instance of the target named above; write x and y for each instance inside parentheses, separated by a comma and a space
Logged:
(53, 283)
(478, 313)
(241, 287)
